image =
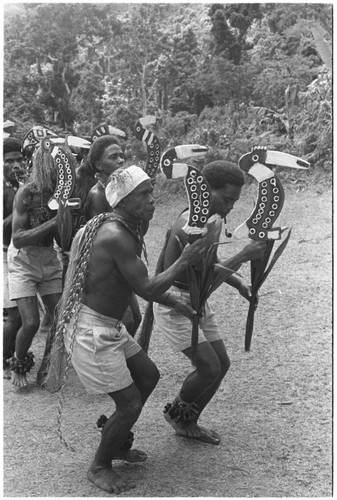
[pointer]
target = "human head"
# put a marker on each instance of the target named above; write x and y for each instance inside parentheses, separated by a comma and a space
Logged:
(130, 190)
(12, 159)
(226, 180)
(106, 155)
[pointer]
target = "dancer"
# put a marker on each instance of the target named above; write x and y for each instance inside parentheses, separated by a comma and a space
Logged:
(12, 172)
(106, 156)
(212, 361)
(33, 263)
(105, 268)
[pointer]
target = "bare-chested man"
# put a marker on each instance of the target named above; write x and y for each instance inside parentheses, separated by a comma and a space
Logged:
(106, 156)
(105, 356)
(12, 171)
(33, 263)
(212, 361)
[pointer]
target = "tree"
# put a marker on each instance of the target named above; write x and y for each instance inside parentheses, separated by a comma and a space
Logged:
(230, 24)
(46, 48)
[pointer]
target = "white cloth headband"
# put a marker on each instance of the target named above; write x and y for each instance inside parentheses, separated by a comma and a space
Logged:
(122, 182)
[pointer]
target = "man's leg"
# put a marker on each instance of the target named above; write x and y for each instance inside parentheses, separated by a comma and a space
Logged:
(28, 309)
(197, 390)
(206, 395)
(115, 432)
(50, 301)
(145, 375)
(12, 321)
(10, 329)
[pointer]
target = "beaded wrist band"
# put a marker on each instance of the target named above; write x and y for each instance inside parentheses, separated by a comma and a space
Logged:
(22, 366)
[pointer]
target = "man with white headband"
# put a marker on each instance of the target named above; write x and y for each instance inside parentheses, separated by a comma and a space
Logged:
(105, 157)
(105, 268)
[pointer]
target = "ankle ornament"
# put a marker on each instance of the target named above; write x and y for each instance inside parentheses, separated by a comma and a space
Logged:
(21, 366)
(182, 411)
(101, 422)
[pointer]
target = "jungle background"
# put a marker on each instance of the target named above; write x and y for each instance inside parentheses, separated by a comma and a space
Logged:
(229, 76)
(225, 75)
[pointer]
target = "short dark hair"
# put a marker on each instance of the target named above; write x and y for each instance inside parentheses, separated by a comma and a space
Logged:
(221, 172)
(11, 144)
(98, 147)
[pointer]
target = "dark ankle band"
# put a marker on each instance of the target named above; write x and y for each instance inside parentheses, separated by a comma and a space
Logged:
(182, 411)
(101, 422)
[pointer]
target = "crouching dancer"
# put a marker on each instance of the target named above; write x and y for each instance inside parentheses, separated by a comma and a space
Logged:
(212, 361)
(105, 268)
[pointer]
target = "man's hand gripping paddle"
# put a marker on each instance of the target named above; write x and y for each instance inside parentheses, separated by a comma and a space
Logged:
(259, 226)
(172, 167)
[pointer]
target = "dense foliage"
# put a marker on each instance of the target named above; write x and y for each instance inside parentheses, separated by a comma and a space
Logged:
(226, 75)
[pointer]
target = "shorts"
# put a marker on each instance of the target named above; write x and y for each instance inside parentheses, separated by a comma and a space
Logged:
(7, 303)
(100, 350)
(177, 329)
(33, 269)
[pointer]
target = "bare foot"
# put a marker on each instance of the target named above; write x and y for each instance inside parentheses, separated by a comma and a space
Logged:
(19, 380)
(108, 480)
(193, 431)
(130, 455)
(7, 375)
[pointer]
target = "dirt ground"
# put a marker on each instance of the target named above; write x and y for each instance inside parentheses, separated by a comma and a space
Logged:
(273, 411)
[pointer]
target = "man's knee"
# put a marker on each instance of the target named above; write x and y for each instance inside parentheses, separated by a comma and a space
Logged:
(30, 324)
(209, 368)
(149, 379)
(128, 403)
(131, 410)
(222, 356)
(225, 364)
(153, 377)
